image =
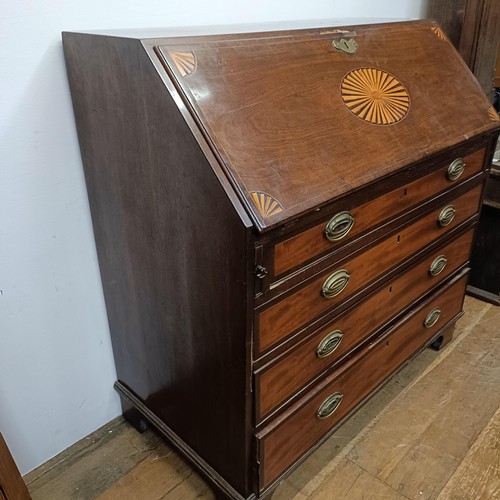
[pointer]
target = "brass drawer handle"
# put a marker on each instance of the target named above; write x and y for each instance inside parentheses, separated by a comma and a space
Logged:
(432, 318)
(456, 169)
(338, 226)
(330, 342)
(437, 266)
(329, 405)
(446, 215)
(335, 283)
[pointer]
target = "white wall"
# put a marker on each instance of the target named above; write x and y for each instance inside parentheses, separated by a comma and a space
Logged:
(56, 365)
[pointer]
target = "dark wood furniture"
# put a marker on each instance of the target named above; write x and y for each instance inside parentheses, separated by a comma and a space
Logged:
(496, 79)
(12, 486)
(473, 26)
(485, 278)
(282, 221)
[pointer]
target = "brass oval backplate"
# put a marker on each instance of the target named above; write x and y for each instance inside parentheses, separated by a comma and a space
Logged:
(456, 169)
(339, 226)
(329, 343)
(329, 405)
(446, 215)
(335, 283)
(432, 318)
(437, 265)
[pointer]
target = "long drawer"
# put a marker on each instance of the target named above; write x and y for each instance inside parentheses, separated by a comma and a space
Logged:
(351, 222)
(282, 377)
(335, 285)
(287, 438)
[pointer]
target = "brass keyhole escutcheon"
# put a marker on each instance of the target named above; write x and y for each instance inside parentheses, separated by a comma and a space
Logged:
(347, 46)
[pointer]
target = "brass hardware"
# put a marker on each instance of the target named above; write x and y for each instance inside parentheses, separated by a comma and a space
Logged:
(329, 405)
(261, 271)
(339, 225)
(330, 342)
(432, 318)
(347, 46)
(438, 264)
(456, 169)
(446, 215)
(335, 283)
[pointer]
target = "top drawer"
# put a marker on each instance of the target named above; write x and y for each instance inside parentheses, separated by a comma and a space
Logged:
(351, 222)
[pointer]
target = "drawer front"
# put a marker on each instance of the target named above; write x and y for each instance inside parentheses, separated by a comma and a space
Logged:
(279, 380)
(296, 310)
(353, 221)
(281, 444)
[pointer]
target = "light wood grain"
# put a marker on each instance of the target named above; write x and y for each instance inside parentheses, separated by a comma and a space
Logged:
(161, 475)
(478, 476)
(431, 433)
(99, 461)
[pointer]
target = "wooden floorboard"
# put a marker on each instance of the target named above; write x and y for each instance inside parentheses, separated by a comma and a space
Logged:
(478, 476)
(432, 432)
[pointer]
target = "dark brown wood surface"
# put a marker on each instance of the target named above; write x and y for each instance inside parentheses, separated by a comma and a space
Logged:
(496, 81)
(280, 379)
(469, 24)
(178, 324)
(283, 443)
(486, 256)
(305, 246)
(450, 15)
(291, 313)
(473, 26)
(12, 486)
(202, 154)
(277, 121)
(485, 48)
(273, 286)
(492, 190)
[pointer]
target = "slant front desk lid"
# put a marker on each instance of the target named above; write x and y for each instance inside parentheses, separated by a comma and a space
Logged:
(298, 118)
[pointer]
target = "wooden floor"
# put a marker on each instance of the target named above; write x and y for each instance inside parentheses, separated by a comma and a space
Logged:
(433, 432)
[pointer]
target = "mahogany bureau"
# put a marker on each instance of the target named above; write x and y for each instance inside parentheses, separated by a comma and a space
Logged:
(282, 220)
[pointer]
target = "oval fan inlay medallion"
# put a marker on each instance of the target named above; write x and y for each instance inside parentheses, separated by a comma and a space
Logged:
(375, 96)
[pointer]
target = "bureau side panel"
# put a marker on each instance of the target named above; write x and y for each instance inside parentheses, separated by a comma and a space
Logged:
(173, 252)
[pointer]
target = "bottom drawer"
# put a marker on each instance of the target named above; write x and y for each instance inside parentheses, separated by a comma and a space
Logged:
(288, 437)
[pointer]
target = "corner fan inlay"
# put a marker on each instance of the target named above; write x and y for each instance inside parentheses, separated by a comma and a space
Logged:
(375, 96)
(184, 61)
(439, 32)
(493, 114)
(266, 204)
